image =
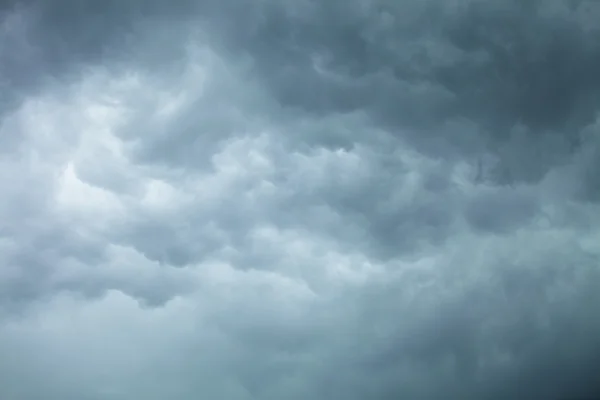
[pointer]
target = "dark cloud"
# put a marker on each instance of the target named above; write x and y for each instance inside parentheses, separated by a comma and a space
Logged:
(416, 68)
(299, 199)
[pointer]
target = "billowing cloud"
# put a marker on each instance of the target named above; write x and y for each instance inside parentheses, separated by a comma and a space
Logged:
(265, 200)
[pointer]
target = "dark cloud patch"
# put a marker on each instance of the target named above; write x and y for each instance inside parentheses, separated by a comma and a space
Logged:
(43, 43)
(588, 166)
(495, 212)
(31, 266)
(540, 69)
(498, 65)
(170, 243)
(495, 342)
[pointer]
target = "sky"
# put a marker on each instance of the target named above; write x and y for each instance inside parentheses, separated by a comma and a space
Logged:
(299, 199)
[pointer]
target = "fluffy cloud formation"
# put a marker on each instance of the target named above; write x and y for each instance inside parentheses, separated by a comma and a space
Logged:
(299, 200)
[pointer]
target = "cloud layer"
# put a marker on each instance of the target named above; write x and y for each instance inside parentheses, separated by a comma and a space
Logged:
(300, 200)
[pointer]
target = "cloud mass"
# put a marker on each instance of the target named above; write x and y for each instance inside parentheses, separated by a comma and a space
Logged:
(299, 200)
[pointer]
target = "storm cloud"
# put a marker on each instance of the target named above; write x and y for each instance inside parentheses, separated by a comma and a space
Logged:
(299, 200)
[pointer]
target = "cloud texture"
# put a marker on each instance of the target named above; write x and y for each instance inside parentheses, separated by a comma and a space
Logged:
(299, 200)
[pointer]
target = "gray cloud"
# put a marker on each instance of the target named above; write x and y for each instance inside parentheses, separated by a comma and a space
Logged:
(266, 200)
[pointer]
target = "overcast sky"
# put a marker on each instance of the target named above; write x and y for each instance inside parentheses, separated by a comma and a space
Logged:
(299, 199)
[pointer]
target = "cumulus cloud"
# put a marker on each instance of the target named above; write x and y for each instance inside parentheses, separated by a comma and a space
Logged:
(297, 199)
